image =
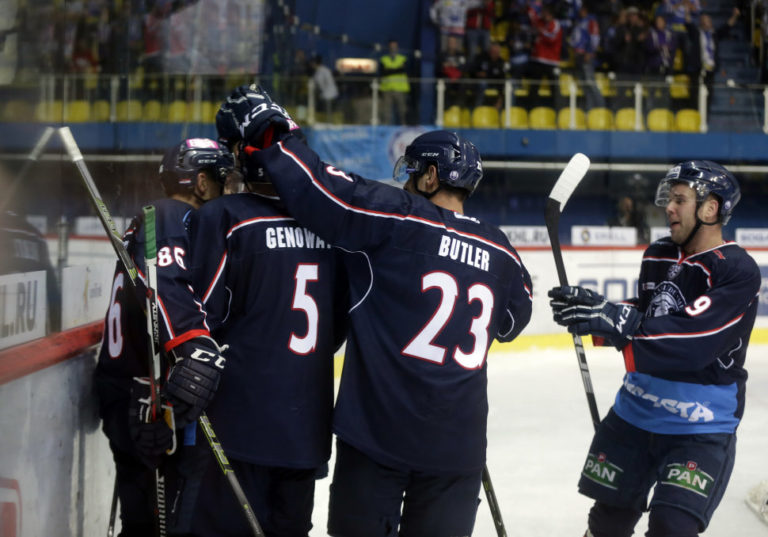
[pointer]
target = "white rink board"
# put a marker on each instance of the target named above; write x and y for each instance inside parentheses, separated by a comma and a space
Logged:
(613, 271)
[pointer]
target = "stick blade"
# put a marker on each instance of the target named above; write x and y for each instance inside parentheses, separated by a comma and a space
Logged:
(570, 178)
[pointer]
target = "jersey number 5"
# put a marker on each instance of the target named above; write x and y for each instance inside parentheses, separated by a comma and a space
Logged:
(303, 301)
(423, 347)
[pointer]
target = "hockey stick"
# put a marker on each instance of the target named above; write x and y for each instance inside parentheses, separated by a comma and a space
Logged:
(28, 162)
(153, 331)
(130, 267)
(112, 512)
(569, 179)
(493, 505)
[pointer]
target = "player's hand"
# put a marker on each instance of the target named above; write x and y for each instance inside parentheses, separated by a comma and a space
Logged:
(585, 312)
(194, 379)
(249, 114)
(151, 436)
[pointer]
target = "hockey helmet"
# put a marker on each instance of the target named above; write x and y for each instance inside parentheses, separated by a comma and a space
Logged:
(185, 160)
(458, 161)
(704, 177)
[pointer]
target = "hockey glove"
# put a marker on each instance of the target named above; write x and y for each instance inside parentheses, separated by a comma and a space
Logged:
(250, 115)
(586, 312)
(151, 438)
(193, 380)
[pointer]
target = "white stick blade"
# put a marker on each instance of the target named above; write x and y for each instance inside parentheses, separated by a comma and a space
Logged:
(69, 144)
(570, 178)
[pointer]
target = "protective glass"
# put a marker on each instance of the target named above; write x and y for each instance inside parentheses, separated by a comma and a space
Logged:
(404, 167)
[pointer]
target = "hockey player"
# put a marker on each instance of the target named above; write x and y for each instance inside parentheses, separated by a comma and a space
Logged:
(273, 293)
(192, 172)
(684, 340)
(430, 289)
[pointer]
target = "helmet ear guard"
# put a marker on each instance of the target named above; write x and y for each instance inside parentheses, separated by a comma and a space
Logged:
(704, 177)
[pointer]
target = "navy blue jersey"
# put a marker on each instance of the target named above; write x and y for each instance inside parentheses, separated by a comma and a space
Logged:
(430, 289)
(125, 343)
(686, 363)
(272, 292)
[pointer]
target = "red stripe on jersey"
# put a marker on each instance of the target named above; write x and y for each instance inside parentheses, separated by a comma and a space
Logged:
(216, 277)
(629, 358)
(186, 336)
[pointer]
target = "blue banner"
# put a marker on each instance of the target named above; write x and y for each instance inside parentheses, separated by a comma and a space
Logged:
(367, 151)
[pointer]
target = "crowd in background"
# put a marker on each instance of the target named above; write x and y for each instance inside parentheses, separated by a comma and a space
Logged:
(531, 40)
(537, 40)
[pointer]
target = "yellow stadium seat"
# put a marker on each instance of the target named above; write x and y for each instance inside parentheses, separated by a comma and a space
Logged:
(545, 88)
(565, 85)
(466, 118)
(77, 111)
(100, 110)
(152, 111)
(678, 62)
(49, 111)
(178, 112)
(18, 110)
(542, 117)
(206, 113)
(522, 89)
(600, 119)
(660, 120)
(625, 119)
(452, 117)
(518, 117)
(605, 85)
(564, 119)
(680, 87)
(485, 117)
(688, 120)
(129, 111)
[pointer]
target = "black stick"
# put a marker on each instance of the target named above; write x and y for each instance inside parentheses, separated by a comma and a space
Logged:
(569, 179)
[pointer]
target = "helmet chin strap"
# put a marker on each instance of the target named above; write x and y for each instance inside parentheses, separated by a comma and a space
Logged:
(428, 195)
(699, 223)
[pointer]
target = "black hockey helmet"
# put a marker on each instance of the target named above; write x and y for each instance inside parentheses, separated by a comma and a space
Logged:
(458, 161)
(185, 160)
(704, 177)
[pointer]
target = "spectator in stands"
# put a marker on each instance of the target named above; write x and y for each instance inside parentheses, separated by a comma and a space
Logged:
(451, 17)
(544, 63)
(325, 85)
(628, 216)
(625, 43)
(702, 60)
(490, 66)
(519, 40)
(395, 88)
(452, 66)
(660, 46)
(585, 41)
(478, 28)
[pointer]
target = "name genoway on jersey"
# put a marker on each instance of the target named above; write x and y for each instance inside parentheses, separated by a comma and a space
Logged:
(292, 237)
(465, 252)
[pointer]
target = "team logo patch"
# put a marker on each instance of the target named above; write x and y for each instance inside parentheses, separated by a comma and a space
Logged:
(673, 271)
(667, 298)
(690, 477)
(600, 470)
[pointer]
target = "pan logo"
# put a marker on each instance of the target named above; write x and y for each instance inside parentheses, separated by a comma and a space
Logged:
(10, 508)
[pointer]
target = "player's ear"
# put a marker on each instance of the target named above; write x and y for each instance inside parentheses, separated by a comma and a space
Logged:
(432, 180)
(709, 209)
